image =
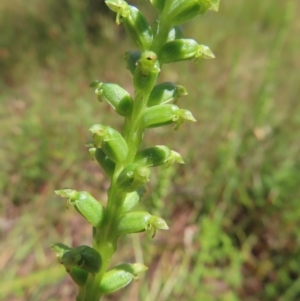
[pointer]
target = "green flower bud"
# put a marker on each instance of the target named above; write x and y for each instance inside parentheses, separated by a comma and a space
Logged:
(132, 199)
(138, 268)
(134, 22)
(148, 63)
(111, 141)
(85, 204)
(83, 257)
(158, 155)
(107, 164)
(181, 11)
(117, 97)
(155, 223)
(138, 28)
(166, 114)
(158, 222)
(159, 4)
(146, 72)
(120, 276)
(164, 93)
(78, 275)
(184, 49)
(133, 222)
(120, 7)
(133, 176)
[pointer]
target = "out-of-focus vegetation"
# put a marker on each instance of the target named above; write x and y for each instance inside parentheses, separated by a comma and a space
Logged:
(233, 209)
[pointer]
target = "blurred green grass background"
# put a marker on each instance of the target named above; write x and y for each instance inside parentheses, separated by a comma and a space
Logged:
(233, 208)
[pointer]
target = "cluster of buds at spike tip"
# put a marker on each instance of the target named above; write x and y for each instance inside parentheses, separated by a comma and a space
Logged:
(165, 114)
(85, 204)
(110, 141)
(116, 96)
(135, 24)
(140, 221)
(120, 276)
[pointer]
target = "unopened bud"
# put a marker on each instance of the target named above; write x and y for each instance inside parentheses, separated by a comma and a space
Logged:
(164, 93)
(110, 141)
(158, 155)
(166, 114)
(181, 11)
(116, 96)
(133, 222)
(146, 72)
(184, 49)
(133, 176)
(104, 161)
(83, 257)
(138, 28)
(85, 204)
(120, 276)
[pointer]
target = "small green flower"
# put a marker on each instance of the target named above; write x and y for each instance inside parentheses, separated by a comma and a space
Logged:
(120, 276)
(146, 72)
(117, 97)
(110, 141)
(181, 11)
(133, 222)
(120, 7)
(164, 93)
(158, 155)
(78, 275)
(133, 176)
(60, 249)
(103, 160)
(137, 28)
(184, 49)
(85, 204)
(165, 114)
(155, 223)
(83, 257)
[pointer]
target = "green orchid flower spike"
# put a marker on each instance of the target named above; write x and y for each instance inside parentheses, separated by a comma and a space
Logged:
(119, 152)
